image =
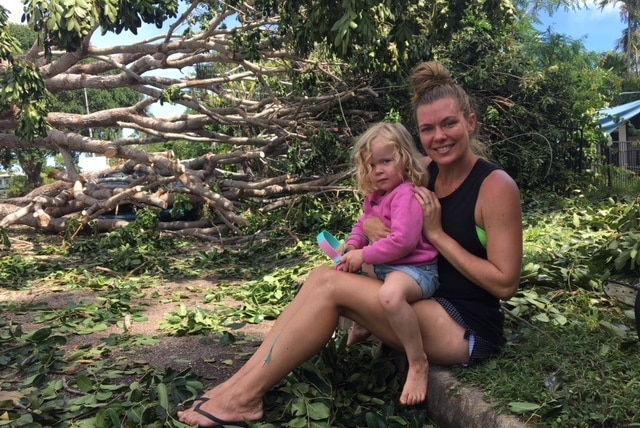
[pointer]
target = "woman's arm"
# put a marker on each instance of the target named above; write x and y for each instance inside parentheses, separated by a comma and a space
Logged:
(499, 213)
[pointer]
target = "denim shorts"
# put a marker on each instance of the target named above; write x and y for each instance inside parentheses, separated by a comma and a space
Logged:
(426, 276)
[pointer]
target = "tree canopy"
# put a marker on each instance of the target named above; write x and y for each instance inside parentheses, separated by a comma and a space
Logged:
(273, 94)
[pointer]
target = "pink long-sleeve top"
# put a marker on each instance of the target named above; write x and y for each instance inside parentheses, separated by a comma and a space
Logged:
(400, 211)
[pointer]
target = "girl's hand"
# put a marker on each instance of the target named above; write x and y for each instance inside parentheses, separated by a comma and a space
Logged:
(351, 261)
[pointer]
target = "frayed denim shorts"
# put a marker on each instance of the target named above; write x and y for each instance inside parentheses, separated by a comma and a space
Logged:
(426, 276)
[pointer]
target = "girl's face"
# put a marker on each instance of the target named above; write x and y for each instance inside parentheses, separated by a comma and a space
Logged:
(444, 131)
(386, 172)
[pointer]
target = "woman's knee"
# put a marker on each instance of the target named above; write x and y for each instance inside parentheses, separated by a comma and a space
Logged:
(321, 280)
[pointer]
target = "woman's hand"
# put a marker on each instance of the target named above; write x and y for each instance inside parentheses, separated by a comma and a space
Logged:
(432, 211)
(375, 229)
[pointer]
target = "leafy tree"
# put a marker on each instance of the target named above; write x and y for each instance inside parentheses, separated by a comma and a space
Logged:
(277, 91)
(629, 42)
(30, 159)
(33, 159)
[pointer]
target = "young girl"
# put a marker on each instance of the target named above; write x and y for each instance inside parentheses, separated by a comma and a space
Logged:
(388, 168)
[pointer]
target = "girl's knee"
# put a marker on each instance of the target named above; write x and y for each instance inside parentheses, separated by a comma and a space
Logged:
(389, 297)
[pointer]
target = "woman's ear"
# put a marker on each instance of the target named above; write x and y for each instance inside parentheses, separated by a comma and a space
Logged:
(472, 123)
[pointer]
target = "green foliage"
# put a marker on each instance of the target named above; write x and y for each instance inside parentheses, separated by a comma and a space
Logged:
(181, 206)
(572, 352)
(580, 242)
(170, 95)
(16, 271)
(23, 86)
(64, 23)
(307, 213)
(9, 44)
(96, 100)
(363, 382)
(572, 357)
(381, 37)
(537, 99)
(129, 15)
(106, 393)
(182, 149)
(25, 36)
(581, 372)
(135, 246)
(324, 154)
(5, 242)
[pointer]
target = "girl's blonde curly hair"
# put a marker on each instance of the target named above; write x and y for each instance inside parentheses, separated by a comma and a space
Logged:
(406, 153)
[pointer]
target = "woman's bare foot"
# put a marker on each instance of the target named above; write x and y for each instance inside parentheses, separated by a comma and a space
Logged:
(219, 407)
(415, 387)
(357, 334)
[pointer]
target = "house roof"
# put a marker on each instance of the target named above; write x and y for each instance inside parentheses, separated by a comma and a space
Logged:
(612, 118)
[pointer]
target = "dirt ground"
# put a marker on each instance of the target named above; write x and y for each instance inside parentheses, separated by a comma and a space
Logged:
(206, 358)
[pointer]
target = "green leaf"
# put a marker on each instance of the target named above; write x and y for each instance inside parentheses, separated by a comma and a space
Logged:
(523, 407)
(40, 335)
(318, 411)
(84, 384)
(163, 396)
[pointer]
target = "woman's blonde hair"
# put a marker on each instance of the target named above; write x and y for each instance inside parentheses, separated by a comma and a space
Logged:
(431, 82)
(406, 152)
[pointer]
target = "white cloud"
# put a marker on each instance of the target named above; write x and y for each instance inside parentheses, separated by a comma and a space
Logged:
(15, 10)
(594, 14)
(611, 8)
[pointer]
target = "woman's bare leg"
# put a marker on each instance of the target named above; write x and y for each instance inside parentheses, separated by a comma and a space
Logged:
(358, 333)
(300, 332)
(303, 330)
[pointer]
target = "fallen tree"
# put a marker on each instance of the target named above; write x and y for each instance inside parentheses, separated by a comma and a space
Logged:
(239, 89)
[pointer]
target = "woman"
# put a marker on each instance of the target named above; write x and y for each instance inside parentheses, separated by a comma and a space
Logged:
(472, 215)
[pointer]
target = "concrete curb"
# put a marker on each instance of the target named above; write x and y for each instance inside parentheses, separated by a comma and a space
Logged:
(451, 405)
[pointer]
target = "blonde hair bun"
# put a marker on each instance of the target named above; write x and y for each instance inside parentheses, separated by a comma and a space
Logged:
(429, 75)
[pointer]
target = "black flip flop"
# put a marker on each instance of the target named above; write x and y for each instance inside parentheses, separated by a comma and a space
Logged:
(215, 419)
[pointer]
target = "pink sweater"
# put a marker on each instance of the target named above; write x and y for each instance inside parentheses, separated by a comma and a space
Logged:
(406, 245)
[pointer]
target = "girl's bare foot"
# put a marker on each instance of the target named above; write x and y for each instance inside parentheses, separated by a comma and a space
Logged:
(415, 387)
(357, 334)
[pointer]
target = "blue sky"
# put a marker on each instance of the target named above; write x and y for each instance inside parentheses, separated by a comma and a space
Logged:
(599, 30)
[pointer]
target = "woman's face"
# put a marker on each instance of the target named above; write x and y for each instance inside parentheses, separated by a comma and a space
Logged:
(444, 131)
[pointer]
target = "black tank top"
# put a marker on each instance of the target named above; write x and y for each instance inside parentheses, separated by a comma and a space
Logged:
(479, 309)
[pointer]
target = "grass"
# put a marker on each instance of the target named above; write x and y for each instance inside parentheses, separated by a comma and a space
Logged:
(572, 359)
(581, 372)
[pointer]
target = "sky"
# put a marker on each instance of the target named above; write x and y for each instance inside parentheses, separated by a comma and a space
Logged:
(599, 30)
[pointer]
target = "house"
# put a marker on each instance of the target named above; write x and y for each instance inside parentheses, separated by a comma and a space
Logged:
(623, 124)
(5, 184)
